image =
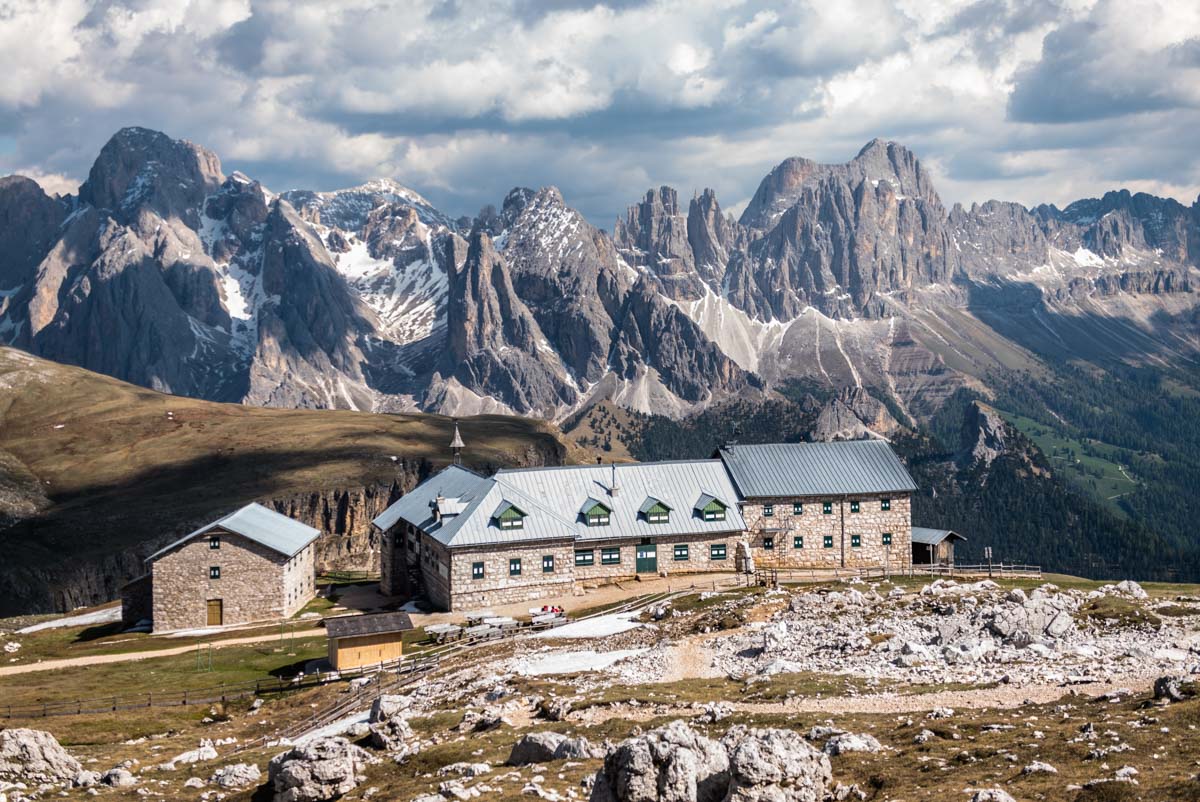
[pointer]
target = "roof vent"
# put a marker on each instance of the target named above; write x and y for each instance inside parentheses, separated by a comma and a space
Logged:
(613, 489)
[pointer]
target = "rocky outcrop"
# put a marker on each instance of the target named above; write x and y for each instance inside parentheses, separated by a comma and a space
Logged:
(985, 434)
(854, 414)
(322, 770)
(236, 776)
(29, 221)
(35, 757)
(388, 723)
(747, 765)
(543, 747)
(654, 236)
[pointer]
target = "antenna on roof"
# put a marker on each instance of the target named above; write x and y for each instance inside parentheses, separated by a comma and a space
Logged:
(457, 445)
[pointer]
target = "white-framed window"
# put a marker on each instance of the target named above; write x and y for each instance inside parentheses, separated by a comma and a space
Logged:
(611, 556)
(681, 552)
(716, 551)
(547, 563)
(585, 557)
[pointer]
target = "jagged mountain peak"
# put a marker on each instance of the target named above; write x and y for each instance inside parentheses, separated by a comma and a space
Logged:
(350, 208)
(141, 168)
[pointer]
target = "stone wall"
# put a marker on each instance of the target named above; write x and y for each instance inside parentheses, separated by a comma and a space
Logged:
(497, 586)
(137, 600)
(252, 585)
(699, 556)
(299, 580)
(841, 525)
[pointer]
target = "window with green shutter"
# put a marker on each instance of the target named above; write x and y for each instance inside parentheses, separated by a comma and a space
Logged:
(798, 542)
(768, 510)
(797, 508)
(768, 542)
(885, 504)
(829, 541)
(610, 556)
(716, 551)
(214, 572)
(853, 506)
(476, 570)
(514, 566)
(548, 564)
(887, 538)
(827, 508)
(585, 557)
(855, 541)
(681, 552)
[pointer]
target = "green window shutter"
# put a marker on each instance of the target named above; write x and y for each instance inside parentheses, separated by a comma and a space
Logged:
(827, 507)
(585, 557)
(681, 552)
(548, 564)
(797, 508)
(887, 538)
(855, 541)
(610, 556)
(798, 542)
(885, 504)
(829, 541)
(853, 506)
(716, 551)
(769, 542)
(514, 566)
(476, 570)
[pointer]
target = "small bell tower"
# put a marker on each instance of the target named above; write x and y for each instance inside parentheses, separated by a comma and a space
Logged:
(457, 445)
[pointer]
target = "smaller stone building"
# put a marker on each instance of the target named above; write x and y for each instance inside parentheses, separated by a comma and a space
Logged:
(252, 565)
(366, 640)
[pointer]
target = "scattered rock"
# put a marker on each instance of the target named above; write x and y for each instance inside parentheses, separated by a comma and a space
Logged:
(774, 765)
(465, 769)
(388, 726)
(851, 742)
(554, 709)
(205, 751)
(1170, 689)
(479, 721)
(672, 763)
(714, 712)
(35, 756)
(193, 782)
(1132, 589)
(118, 778)
(992, 795)
(1038, 767)
(238, 775)
(542, 747)
(85, 778)
(322, 770)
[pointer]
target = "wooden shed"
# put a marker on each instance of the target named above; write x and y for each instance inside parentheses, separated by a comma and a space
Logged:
(934, 546)
(366, 640)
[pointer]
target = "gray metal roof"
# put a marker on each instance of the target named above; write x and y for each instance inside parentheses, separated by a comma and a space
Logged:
(553, 500)
(254, 521)
(932, 537)
(348, 626)
(674, 484)
(816, 469)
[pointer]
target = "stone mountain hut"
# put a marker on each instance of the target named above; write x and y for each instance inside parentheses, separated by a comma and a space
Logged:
(252, 565)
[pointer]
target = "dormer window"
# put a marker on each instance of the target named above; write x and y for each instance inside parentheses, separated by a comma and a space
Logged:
(656, 511)
(710, 507)
(510, 516)
(596, 513)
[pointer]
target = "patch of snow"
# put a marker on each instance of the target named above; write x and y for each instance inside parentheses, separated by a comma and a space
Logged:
(1085, 258)
(599, 627)
(106, 616)
(572, 662)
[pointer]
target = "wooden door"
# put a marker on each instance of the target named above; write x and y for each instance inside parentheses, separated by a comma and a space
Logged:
(215, 613)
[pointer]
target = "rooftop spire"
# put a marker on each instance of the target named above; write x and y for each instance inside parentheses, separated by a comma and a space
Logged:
(457, 445)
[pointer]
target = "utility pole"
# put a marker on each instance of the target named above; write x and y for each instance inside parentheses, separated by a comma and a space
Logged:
(987, 552)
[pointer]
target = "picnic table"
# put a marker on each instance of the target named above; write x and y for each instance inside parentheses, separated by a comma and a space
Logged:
(478, 617)
(501, 622)
(550, 619)
(481, 631)
(444, 632)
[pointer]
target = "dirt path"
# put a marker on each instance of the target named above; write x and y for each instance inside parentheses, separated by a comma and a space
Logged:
(1002, 698)
(98, 659)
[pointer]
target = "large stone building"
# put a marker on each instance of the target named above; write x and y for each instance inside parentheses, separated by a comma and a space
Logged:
(465, 540)
(252, 565)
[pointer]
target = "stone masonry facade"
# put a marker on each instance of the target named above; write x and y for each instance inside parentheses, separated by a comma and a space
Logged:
(255, 583)
(799, 533)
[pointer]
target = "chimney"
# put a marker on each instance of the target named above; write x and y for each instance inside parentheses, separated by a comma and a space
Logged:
(437, 507)
(612, 488)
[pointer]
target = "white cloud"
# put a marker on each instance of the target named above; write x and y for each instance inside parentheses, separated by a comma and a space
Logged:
(465, 100)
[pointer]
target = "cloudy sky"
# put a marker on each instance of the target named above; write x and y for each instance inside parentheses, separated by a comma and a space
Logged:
(1027, 100)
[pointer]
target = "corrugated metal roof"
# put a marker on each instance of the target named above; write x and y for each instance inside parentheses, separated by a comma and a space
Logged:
(816, 469)
(672, 483)
(348, 626)
(254, 521)
(704, 500)
(932, 537)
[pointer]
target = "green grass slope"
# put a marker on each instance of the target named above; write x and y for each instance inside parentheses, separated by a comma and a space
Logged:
(93, 467)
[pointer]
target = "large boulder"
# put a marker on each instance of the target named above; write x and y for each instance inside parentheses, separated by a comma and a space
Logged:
(322, 770)
(773, 765)
(1170, 689)
(1041, 617)
(669, 764)
(542, 747)
(388, 725)
(35, 757)
(852, 742)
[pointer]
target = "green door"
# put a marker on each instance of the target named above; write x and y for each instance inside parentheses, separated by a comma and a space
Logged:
(647, 559)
